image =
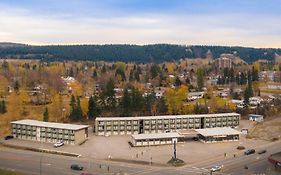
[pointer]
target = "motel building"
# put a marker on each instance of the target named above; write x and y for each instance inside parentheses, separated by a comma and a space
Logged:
(208, 135)
(211, 135)
(49, 132)
(162, 124)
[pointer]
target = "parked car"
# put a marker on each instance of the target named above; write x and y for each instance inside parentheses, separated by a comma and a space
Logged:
(216, 168)
(76, 167)
(59, 144)
(195, 138)
(262, 151)
(8, 137)
(249, 151)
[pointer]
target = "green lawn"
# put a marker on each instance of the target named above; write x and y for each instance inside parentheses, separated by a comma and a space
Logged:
(6, 172)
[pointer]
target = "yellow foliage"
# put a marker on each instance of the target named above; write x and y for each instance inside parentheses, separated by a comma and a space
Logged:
(257, 66)
(76, 88)
(170, 67)
(175, 99)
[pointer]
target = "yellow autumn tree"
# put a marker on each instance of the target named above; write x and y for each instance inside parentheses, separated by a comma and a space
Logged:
(175, 99)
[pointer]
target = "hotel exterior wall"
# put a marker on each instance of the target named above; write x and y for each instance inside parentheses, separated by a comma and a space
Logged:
(123, 126)
(46, 134)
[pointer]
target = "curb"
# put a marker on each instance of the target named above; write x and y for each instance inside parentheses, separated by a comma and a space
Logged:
(41, 150)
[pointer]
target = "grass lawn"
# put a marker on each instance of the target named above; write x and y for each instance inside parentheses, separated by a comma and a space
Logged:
(6, 172)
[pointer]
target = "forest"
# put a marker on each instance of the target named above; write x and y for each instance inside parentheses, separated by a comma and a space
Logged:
(155, 53)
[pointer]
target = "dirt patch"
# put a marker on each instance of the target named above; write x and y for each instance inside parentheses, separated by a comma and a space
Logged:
(269, 130)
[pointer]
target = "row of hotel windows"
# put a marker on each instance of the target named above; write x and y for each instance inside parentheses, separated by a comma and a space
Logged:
(66, 132)
(166, 121)
(166, 126)
(49, 139)
(43, 135)
(42, 129)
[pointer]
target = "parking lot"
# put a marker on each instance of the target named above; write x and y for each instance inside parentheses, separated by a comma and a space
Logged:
(117, 147)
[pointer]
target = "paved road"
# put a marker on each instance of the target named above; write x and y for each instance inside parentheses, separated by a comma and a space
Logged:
(29, 162)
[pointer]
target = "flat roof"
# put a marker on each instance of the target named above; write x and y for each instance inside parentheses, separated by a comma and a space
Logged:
(187, 132)
(156, 136)
(217, 131)
(50, 124)
(166, 116)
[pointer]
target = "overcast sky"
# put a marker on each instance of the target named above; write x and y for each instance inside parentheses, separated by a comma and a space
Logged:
(254, 23)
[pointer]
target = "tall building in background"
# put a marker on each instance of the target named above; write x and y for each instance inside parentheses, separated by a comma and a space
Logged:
(221, 63)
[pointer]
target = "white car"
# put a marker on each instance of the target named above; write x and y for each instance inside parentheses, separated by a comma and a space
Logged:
(59, 144)
(216, 168)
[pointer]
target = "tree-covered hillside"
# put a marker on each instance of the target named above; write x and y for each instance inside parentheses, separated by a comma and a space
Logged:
(129, 53)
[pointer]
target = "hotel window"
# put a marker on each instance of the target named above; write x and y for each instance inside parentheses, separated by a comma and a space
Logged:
(191, 120)
(172, 120)
(153, 121)
(190, 125)
(166, 121)
(197, 120)
(159, 121)
(135, 122)
(184, 120)
(115, 122)
(101, 122)
(108, 123)
(146, 121)
(122, 122)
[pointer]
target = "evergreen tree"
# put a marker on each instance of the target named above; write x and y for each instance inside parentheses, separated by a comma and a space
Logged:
(200, 79)
(110, 93)
(79, 112)
(93, 108)
(73, 111)
(177, 82)
(125, 103)
(16, 86)
(161, 106)
(154, 70)
(46, 115)
(1, 108)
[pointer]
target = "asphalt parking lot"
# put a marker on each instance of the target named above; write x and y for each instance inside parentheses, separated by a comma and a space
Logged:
(117, 147)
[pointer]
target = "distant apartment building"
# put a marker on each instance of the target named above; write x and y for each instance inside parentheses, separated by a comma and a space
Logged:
(49, 132)
(221, 63)
(162, 124)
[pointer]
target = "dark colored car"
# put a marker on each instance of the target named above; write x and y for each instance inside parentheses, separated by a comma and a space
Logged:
(195, 138)
(262, 151)
(76, 167)
(249, 151)
(9, 137)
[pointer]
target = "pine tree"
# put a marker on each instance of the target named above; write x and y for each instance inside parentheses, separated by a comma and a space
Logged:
(17, 86)
(79, 112)
(73, 114)
(126, 103)
(46, 115)
(3, 108)
(93, 108)
(110, 93)
(200, 79)
(177, 82)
